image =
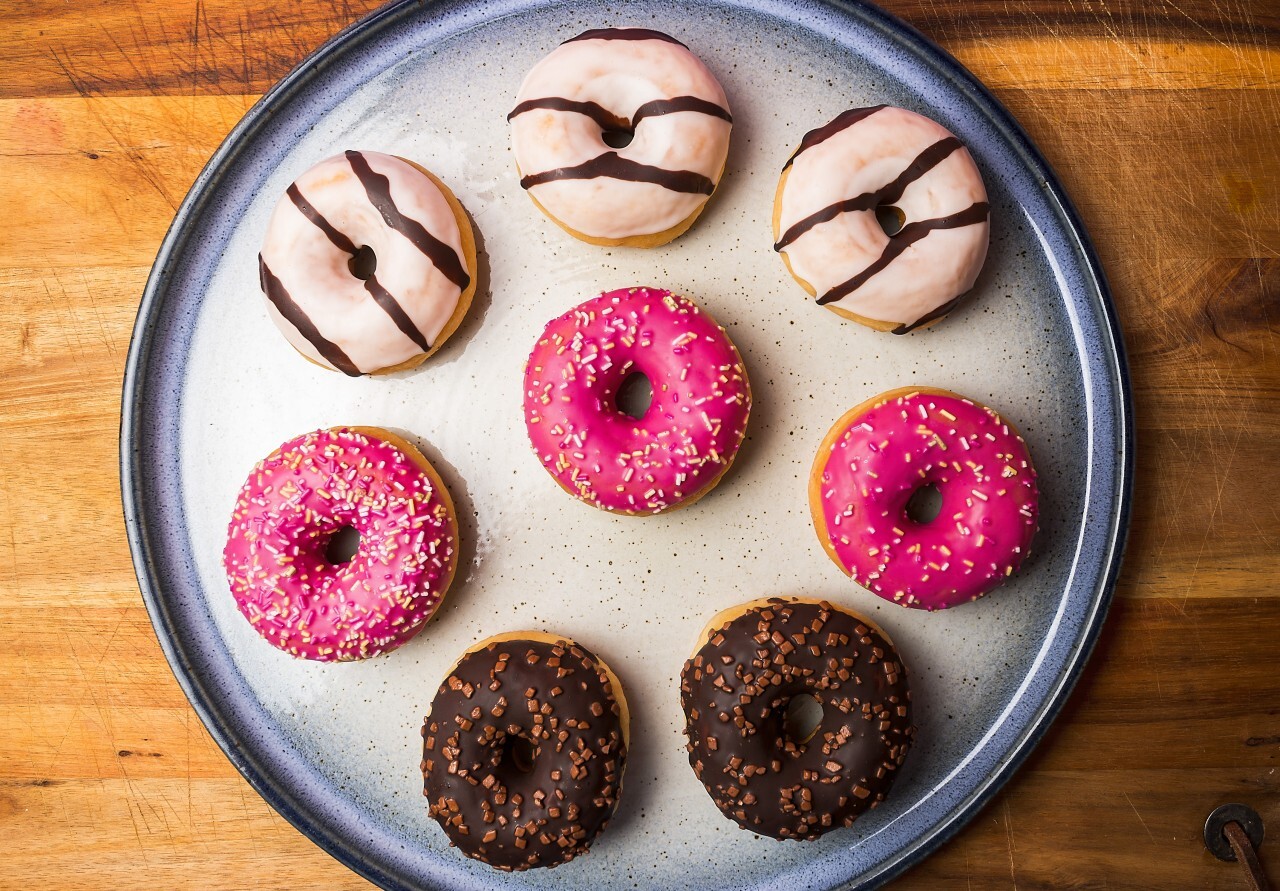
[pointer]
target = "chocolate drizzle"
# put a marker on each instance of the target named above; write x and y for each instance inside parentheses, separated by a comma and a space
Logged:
(936, 313)
(340, 241)
(514, 816)
(294, 315)
(624, 34)
(736, 690)
(613, 166)
(843, 121)
(903, 239)
(887, 194)
(378, 188)
(607, 120)
(393, 308)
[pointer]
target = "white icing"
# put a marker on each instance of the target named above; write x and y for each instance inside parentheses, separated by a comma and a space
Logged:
(620, 76)
(864, 158)
(315, 272)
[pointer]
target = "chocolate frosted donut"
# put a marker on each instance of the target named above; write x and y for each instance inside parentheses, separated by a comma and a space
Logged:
(523, 750)
(753, 661)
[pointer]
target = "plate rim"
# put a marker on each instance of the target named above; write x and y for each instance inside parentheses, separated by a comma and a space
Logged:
(158, 281)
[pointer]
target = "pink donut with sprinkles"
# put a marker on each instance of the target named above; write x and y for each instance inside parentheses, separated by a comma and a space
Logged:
(284, 575)
(683, 443)
(881, 453)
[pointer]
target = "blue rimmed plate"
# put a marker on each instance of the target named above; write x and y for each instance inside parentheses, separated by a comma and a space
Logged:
(211, 387)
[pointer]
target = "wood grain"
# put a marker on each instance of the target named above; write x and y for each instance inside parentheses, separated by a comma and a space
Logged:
(1162, 120)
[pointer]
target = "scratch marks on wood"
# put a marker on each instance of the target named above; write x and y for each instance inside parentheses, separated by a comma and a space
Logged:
(1139, 816)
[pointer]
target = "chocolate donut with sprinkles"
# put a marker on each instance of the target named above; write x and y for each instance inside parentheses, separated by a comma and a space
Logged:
(286, 578)
(524, 750)
(681, 446)
(368, 263)
(621, 136)
(881, 453)
(754, 664)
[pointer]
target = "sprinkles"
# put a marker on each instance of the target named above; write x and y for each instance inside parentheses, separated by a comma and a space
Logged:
(605, 457)
(902, 439)
(288, 512)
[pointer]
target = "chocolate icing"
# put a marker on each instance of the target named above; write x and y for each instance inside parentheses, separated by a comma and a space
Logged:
(607, 120)
(295, 316)
(928, 317)
(378, 188)
(339, 240)
(903, 239)
(843, 121)
(735, 692)
(887, 194)
(613, 166)
(624, 34)
(559, 698)
(392, 307)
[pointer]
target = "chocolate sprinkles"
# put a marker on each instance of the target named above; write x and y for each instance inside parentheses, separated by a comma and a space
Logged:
(295, 316)
(378, 188)
(887, 194)
(613, 166)
(909, 235)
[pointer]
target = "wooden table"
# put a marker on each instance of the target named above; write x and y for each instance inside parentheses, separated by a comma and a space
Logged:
(1162, 118)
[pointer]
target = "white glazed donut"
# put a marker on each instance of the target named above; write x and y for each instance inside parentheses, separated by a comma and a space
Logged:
(614, 81)
(825, 223)
(350, 212)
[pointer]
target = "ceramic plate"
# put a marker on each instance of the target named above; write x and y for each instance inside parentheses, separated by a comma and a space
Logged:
(212, 387)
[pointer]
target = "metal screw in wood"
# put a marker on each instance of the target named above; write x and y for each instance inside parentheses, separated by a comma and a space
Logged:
(1234, 832)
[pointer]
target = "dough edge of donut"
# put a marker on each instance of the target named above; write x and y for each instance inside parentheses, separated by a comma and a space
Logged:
(837, 430)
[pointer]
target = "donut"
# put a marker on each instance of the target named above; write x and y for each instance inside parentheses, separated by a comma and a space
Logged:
(876, 457)
(282, 572)
(681, 446)
(524, 749)
(368, 264)
(873, 162)
(751, 662)
(621, 135)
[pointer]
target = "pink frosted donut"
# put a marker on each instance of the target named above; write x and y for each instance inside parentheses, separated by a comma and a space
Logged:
(287, 514)
(875, 459)
(686, 440)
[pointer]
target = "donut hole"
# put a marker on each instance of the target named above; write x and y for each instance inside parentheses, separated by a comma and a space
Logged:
(342, 546)
(618, 138)
(363, 263)
(891, 219)
(801, 719)
(635, 395)
(925, 504)
(518, 753)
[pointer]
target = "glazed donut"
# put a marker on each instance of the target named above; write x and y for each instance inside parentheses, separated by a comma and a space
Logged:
(880, 453)
(368, 264)
(825, 224)
(751, 662)
(685, 441)
(643, 86)
(288, 511)
(524, 749)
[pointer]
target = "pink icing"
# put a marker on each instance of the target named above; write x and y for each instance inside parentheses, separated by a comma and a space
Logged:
(989, 499)
(288, 510)
(692, 429)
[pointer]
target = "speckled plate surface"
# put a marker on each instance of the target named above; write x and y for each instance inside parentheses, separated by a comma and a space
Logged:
(211, 387)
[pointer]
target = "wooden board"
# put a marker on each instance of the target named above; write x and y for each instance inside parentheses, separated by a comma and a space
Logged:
(1162, 118)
